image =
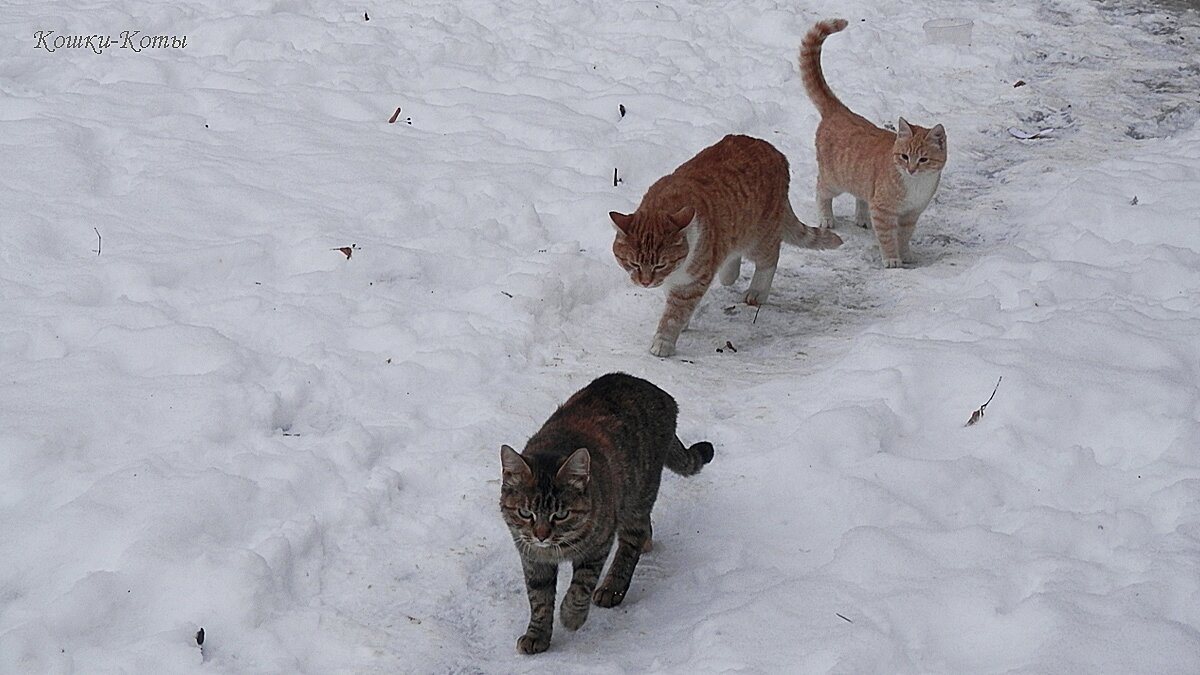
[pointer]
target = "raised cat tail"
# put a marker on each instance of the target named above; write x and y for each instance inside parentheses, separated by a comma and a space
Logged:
(689, 461)
(810, 66)
(797, 233)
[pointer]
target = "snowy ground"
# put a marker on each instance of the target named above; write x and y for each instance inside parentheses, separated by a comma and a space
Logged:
(221, 422)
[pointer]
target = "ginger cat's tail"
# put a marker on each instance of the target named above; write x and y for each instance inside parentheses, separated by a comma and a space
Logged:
(810, 66)
(797, 233)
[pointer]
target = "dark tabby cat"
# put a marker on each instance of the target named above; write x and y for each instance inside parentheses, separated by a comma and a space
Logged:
(590, 473)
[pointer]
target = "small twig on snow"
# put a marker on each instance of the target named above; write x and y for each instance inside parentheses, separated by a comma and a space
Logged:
(99, 240)
(975, 416)
(843, 618)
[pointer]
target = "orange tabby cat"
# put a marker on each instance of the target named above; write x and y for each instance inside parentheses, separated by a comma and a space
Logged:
(892, 175)
(729, 201)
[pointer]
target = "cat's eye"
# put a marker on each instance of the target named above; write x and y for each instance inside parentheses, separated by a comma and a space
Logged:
(560, 515)
(922, 160)
(904, 156)
(525, 514)
(658, 267)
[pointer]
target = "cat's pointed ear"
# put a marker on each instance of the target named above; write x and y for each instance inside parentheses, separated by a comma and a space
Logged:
(577, 470)
(622, 221)
(938, 136)
(516, 471)
(683, 217)
(903, 129)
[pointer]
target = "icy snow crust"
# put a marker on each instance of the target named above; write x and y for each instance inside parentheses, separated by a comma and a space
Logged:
(220, 421)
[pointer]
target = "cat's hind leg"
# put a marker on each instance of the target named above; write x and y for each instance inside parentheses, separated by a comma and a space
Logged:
(578, 600)
(731, 270)
(764, 275)
(862, 213)
(631, 541)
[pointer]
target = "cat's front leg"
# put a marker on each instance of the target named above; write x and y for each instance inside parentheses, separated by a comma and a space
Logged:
(540, 579)
(631, 541)
(887, 233)
(825, 205)
(575, 604)
(907, 225)
(681, 302)
(862, 213)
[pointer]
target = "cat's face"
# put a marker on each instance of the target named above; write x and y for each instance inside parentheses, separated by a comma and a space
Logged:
(545, 507)
(650, 246)
(919, 150)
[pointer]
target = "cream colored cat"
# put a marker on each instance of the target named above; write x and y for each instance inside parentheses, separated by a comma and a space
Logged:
(891, 175)
(729, 201)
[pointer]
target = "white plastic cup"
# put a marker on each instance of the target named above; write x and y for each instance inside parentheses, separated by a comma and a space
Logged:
(949, 31)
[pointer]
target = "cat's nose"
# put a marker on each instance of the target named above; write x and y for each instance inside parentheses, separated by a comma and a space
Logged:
(542, 532)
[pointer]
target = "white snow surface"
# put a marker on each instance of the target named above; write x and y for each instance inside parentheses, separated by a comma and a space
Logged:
(220, 421)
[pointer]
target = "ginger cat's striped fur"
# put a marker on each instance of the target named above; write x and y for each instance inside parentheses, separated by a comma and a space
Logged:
(891, 175)
(729, 201)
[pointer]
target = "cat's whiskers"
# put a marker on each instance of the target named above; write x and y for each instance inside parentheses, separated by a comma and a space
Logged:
(573, 547)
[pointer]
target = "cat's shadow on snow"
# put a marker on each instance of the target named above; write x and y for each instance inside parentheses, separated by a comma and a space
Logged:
(810, 299)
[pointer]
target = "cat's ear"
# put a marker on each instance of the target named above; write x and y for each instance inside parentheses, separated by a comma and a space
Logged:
(938, 136)
(516, 471)
(576, 471)
(683, 217)
(903, 129)
(622, 221)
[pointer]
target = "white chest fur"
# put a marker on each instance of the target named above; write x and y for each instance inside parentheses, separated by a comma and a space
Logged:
(918, 190)
(682, 275)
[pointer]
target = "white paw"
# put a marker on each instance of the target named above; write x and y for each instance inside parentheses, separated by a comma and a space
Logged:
(892, 263)
(662, 347)
(755, 298)
(826, 222)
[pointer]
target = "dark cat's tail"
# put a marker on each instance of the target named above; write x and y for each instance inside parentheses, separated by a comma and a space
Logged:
(689, 461)
(810, 66)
